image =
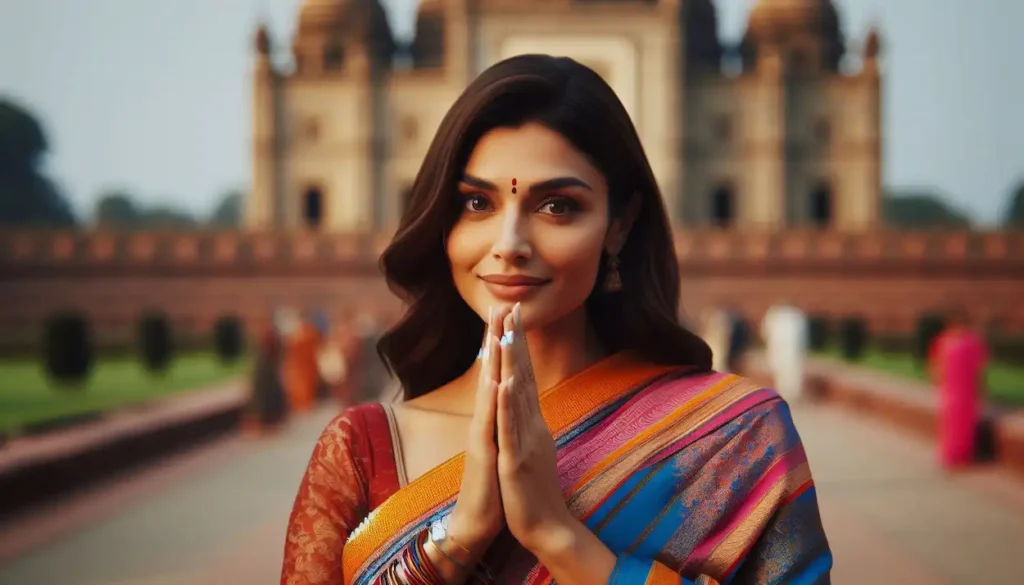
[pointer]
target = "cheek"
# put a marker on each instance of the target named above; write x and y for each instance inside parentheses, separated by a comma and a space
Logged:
(575, 258)
(465, 248)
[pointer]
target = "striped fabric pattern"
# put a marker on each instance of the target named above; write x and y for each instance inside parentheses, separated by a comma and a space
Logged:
(688, 478)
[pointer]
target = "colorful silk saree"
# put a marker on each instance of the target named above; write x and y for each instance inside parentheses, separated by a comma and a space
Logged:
(688, 478)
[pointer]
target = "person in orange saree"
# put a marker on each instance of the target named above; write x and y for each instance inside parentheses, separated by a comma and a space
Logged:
(301, 373)
(957, 360)
(558, 424)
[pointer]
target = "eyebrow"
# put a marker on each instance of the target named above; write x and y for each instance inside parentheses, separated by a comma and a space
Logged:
(548, 185)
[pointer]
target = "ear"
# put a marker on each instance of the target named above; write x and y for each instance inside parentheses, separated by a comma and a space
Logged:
(618, 230)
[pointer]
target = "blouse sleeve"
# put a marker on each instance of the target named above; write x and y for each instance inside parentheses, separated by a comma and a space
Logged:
(330, 504)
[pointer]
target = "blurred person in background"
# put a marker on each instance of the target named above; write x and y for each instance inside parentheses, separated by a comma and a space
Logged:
(301, 374)
(739, 339)
(267, 404)
(557, 422)
(957, 361)
(784, 330)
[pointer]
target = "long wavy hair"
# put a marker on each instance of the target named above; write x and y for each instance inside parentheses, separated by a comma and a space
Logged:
(439, 335)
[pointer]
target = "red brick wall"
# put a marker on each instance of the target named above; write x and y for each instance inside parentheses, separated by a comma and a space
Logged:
(889, 278)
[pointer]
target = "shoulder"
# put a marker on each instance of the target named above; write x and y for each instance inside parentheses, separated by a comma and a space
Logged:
(722, 387)
(349, 427)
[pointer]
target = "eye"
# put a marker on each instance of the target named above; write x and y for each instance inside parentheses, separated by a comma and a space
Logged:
(559, 206)
(476, 203)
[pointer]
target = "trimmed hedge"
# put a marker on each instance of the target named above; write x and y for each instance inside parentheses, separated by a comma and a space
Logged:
(853, 337)
(929, 326)
(817, 332)
(229, 339)
(155, 342)
(68, 352)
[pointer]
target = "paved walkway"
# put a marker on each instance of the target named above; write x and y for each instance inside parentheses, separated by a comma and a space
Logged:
(217, 516)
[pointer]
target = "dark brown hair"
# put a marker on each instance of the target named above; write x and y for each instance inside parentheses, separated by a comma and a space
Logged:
(438, 337)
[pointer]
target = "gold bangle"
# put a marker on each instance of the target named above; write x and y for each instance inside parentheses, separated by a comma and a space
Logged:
(446, 555)
(458, 544)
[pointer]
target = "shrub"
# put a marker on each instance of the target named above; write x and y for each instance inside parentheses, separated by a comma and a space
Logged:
(817, 332)
(929, 326)
(853, 337)
(228, 339)
(67, 348)
(155, 344)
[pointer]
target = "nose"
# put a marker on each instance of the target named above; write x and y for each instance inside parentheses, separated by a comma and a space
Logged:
(513, 242)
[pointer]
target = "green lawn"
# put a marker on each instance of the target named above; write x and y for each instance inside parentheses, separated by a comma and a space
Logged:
(28, 397)
(1005, 382)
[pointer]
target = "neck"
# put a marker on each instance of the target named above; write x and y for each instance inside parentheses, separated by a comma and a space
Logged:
(563, 348)
(557, 351)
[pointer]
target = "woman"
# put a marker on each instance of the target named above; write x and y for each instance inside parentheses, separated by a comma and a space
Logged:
(585, 440)
(957, 360)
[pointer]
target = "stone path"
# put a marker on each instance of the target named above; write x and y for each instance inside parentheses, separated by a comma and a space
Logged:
(217, 517)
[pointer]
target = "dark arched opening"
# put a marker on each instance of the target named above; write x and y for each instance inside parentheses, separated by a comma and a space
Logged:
(313, 208)
(723, 207)
(821, 211)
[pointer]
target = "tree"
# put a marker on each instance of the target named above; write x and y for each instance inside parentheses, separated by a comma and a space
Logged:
(1014, 215)
(919, 209)
(116, 209)
(228, 213)
(27, 197)
(167, 218)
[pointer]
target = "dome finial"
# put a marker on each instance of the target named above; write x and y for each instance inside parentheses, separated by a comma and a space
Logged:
(262, 40)
(873, 44)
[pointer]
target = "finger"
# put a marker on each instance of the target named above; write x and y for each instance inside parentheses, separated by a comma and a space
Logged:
(485, 411)
(487, 332)
(521, 354)
(508, 340)
(508, 440)
(493, 367)
(520, 409)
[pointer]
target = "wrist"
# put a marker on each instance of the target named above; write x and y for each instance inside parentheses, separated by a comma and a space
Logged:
(556, 540)
(467, 539)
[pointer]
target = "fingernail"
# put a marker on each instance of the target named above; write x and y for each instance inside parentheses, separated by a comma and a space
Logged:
(506, 339)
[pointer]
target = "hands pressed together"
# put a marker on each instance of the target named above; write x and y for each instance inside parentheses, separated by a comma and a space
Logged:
(510, 476)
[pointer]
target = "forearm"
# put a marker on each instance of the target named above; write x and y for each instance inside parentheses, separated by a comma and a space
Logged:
(575, 556)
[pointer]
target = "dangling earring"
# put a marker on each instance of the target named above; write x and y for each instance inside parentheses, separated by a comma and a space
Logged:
(613, 280)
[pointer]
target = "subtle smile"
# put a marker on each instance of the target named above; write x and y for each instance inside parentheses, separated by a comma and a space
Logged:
(513, 287)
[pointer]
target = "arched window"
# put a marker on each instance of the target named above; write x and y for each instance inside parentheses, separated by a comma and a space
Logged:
(334, 58)
(313, 208)
(723, 207)
(821, 206)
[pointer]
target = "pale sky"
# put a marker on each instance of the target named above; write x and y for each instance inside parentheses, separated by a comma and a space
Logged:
(153, 95)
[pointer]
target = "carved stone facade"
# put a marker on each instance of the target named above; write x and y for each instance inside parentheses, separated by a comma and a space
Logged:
(783, 140)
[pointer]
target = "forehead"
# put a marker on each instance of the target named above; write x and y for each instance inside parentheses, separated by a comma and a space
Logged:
(527, 153)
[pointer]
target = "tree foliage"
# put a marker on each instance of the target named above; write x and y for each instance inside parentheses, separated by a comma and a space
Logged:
(921, 209)
(27, 196)
(1014, 214)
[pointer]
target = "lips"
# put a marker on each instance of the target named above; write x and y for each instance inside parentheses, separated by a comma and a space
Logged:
(513, 287)
(514, 280)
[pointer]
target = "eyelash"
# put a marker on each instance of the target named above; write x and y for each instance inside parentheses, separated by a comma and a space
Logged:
(571, 205)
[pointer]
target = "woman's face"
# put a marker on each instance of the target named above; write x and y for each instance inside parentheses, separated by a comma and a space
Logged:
(533, 225)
